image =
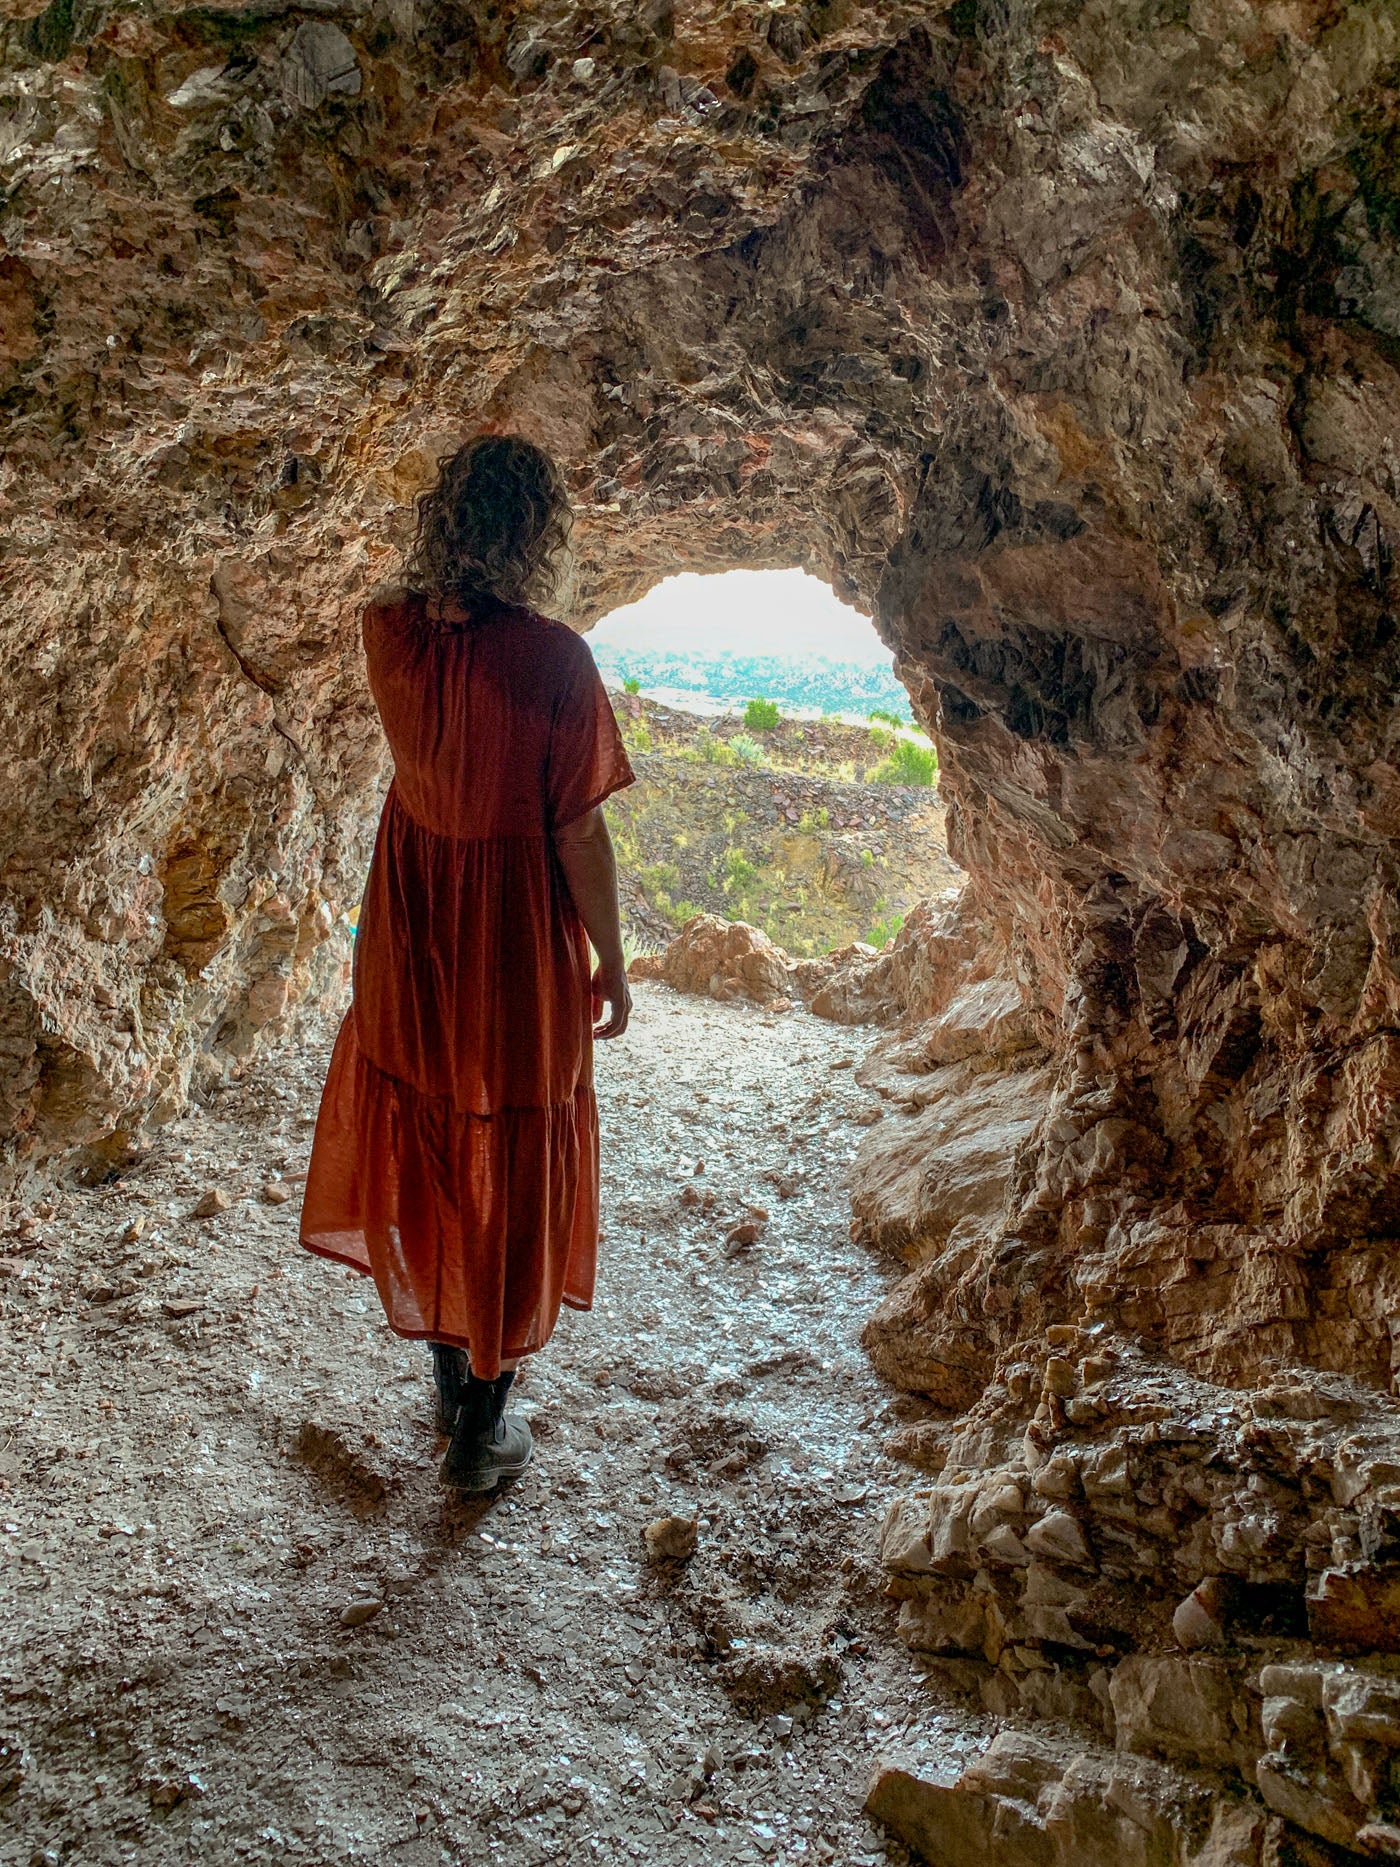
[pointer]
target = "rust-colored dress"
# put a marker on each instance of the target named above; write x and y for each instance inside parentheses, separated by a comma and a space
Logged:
(456, 1150)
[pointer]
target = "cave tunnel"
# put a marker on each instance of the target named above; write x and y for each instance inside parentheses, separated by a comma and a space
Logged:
(1062, 337)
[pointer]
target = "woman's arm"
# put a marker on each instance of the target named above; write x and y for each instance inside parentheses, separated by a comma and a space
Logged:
(586, 856)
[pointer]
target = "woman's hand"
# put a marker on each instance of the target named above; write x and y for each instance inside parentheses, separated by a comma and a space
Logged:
(610, 987)
(586, 855)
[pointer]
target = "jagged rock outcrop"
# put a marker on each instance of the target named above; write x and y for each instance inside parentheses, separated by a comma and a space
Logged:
(1180, 1571)
(1063, 335)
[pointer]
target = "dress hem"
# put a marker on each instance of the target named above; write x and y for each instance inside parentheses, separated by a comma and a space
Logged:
(444, 1336)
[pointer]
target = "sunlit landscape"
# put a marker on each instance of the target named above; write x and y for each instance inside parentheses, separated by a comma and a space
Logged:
(710, 644)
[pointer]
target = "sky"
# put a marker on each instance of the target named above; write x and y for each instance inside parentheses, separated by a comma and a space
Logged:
(745, 612)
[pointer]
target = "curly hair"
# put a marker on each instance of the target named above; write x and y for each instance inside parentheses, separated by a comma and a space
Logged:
(494, 525)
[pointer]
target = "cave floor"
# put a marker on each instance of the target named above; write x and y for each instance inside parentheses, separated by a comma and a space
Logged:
(214, 1456)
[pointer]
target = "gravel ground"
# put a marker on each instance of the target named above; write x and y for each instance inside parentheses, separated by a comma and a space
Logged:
(241, 1621)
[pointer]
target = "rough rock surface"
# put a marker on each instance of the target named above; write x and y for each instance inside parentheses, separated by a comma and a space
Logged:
(940, 949)
(721, 959)
(1094, 1491)
(1060, 333)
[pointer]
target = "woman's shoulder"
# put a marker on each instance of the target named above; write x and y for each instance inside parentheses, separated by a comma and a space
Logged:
(564, 644)
(390, 606)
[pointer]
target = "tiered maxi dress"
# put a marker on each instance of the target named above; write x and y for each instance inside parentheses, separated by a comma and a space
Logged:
(456, 1149)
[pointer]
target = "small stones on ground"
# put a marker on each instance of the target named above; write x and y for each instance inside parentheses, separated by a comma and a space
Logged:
(671, 1539)
(164, 1791)
(276, 1193)
(356, 1613)
(134, 1229)
(743, 1236)
(264, 1467)
(214, 1201)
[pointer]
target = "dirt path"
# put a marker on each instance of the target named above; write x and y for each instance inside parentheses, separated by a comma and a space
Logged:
(214, 1456)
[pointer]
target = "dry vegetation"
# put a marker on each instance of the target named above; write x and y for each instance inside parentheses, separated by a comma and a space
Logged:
(796, 828)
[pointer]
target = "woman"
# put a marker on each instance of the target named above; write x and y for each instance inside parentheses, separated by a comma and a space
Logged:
(456, 1151)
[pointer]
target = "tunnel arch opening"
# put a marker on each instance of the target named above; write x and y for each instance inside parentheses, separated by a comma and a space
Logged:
(779, 788)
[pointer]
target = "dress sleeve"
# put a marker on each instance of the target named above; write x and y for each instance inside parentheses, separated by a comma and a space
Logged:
(587, 759)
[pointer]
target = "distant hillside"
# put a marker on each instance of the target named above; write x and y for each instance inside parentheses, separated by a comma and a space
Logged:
(806, 682)
(796, 829)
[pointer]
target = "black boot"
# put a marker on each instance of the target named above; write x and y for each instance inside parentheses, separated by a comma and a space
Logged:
(450, 1373)
(487, 1446)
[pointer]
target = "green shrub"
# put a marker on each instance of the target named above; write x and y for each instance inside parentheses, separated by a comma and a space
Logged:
(867, 858)
(657, 879)
(748, 751)
(707, 750)
(761, 715)
(631, 685)
(683, 911)
(880, 739)
(890, 719)
(908, 763)
(813, 820)
(639, 739)
(739, 872)
(882, 932)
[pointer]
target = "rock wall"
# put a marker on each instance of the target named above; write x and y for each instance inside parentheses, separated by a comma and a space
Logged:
(1064, 335)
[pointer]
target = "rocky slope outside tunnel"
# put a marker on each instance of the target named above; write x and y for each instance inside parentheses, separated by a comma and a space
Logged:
(797, 829)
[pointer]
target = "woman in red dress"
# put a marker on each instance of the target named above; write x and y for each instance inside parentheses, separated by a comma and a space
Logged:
(456, 1151)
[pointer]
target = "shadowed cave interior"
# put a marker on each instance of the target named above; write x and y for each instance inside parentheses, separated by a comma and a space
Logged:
(1063, 338)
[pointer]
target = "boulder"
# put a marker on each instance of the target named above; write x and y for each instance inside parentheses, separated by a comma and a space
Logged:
(944, 1165)
(726, 960)
(854, 987)
(1028, 1801)
(1193, 1711)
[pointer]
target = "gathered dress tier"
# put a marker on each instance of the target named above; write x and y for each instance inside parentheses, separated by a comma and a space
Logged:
(456, 1149)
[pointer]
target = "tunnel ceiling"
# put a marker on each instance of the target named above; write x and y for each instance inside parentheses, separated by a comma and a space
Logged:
(1063, 337)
